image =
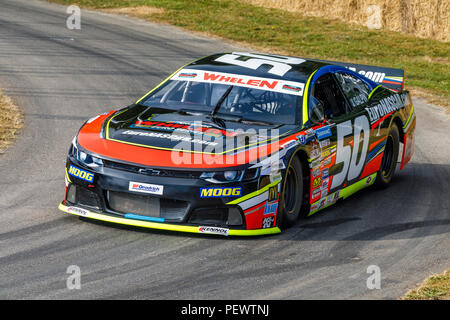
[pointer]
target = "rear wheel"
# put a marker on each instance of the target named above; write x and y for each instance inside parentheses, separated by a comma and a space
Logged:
(291, 194)
(389, 161)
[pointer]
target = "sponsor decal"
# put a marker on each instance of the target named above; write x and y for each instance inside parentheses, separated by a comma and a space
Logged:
(368, 180)
(77, 211)
(310, 133)
(358, 99)
(271, 208)
(220, 192)
(170, 126)
(324, 143)
(337, 194)
(292, 88)
(322, 203)
(325, 200)
(325, 154)
(330, 199)
(323, 132)
(213, 230)
(302, 138)
(384, 107)
(173, 137)
(315, 172)
(374, 76)
(324, 193)
(275, 85)
(314, 153)
(187, 75)
(316, 193)
(325, 173)
(289, 144)
(316, 163)
(268, 222)
(145, 188)
(273, 193)
(325, 162)
(333, 198)
(317, 182)
(325, 183)
(81, 174)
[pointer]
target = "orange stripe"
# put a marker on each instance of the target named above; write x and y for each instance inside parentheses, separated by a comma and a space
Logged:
(376, 142)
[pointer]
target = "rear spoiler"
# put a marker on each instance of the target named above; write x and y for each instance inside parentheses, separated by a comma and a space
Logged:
(389, 77)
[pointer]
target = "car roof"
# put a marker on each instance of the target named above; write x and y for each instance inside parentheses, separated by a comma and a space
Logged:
(298, 72)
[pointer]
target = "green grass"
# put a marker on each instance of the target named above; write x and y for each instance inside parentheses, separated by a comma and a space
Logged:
(426, 62)
(435, 287)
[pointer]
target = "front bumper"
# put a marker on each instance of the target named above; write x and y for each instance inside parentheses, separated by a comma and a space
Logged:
(252, 204)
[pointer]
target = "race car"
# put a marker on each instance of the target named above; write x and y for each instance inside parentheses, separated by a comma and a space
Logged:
(241, 144)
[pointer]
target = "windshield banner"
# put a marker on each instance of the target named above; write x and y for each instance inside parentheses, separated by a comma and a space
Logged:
(275, 85)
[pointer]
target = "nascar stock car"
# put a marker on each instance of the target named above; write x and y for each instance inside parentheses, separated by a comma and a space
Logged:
(241, 144)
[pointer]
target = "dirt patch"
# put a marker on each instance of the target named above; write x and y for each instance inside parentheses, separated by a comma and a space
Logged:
(11, 120)
(139, 12)
(430, 97)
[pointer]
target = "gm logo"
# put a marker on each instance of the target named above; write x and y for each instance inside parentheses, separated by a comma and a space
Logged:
(81, 174)
(220, 192)
(273, 193)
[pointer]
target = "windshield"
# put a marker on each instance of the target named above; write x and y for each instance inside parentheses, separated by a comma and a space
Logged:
(242, 102)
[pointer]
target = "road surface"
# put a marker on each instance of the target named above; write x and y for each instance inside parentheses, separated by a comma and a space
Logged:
(61, 77)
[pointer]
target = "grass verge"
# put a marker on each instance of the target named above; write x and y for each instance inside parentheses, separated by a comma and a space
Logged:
(436, 287)
(425, 61)
(11, 121)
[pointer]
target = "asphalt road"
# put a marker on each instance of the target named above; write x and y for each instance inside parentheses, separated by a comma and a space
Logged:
(61, 77)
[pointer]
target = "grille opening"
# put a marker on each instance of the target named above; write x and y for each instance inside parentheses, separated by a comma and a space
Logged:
(146, 205)
(217, 216)
(79, 195)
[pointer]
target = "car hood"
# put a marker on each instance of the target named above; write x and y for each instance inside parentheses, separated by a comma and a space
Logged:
(152, 140)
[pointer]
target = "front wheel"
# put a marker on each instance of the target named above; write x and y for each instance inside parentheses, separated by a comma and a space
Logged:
(389, 161)
(292, 194)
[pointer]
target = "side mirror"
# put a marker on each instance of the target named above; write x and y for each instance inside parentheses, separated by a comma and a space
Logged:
(316, 111)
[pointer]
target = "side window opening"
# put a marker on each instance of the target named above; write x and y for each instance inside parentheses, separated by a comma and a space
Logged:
(326, 90)
(355, 90)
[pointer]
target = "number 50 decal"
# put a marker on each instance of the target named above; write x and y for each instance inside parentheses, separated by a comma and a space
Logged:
(352, 166)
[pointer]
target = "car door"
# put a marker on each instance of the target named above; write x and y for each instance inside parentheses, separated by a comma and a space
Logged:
(330, 137)
(353, 133)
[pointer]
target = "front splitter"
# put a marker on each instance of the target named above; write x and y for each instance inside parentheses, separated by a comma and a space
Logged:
(165, 226)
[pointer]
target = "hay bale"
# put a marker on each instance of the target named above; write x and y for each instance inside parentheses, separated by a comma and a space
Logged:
(422, 18)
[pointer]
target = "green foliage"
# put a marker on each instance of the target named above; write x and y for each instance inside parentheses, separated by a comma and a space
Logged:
(425, 61)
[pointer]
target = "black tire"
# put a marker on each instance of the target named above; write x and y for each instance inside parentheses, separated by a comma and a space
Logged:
(291, 194)
(389, 161)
